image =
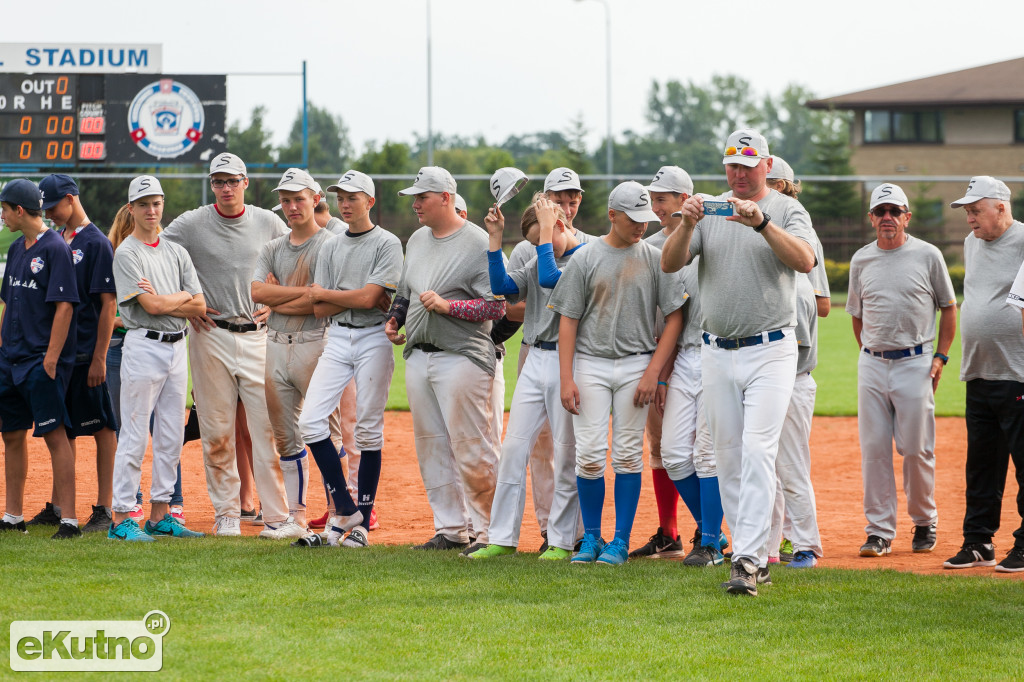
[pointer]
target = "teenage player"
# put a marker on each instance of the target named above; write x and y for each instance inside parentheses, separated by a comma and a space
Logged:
(536, 400)
(88, 400)
(445, 303)
(609, 361)
(355, 277)
(229, 347)
(157, 290)
(37, 353)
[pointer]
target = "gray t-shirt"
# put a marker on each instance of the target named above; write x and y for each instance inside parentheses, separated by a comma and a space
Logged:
(352, 261)
(336, 226)
(896, 292)
(294, 265)
(521, 255)
(691, 336)
(807, 292)
(540, 323)
(224, 251)
(167, 267)
(455, 268)
(745, 288)
(990, 328)
(615, 294)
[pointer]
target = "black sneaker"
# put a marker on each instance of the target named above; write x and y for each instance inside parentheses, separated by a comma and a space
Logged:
(100, 520)
(973, 554)
(544, 547)
(441, 542)
(47, 517)
(66, 531)
(660, 546)
(19, 526)
(708, 555)
(1013, 563)
(311, 540)
(764, 576)
(876, 546)
(924, 538)
(742, 578)
(472, 548)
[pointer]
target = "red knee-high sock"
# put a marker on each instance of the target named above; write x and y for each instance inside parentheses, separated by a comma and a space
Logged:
(666, 496)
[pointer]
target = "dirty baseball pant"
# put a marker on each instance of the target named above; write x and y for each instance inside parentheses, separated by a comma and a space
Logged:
(450, 400)
(793, 468)
(542, 469)
(895, 402)
(226, 367)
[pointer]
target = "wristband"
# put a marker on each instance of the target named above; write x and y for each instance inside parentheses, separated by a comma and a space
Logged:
(940, 356)
(663, 383)
(764, 223)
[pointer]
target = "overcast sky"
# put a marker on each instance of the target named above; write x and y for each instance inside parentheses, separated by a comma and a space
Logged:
(502, 68)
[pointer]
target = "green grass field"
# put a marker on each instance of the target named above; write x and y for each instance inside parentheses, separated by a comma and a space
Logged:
(265, 610)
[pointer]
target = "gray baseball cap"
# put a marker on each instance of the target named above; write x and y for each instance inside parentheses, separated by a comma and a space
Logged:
(781, 170)
(227, 163)
(354, 181)
(671, 179)
(295, 179)
(634, 200)
(562, 179)
(460, 203)
(144, 186)
(431, 179)
(888, 193)
(983, 187)
(748, 148)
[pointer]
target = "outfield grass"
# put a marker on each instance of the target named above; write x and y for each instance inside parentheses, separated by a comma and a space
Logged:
(242, 606)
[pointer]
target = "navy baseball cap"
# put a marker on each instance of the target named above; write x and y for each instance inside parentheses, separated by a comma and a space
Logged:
(55, 187)
(22, 192)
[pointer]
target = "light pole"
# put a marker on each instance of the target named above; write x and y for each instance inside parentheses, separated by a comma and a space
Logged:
(430, 108)
(608, 81)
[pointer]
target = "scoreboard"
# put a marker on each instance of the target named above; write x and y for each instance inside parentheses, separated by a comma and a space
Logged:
(95, 120)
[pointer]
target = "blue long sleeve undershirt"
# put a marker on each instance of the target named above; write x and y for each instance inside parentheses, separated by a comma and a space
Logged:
(501, 283)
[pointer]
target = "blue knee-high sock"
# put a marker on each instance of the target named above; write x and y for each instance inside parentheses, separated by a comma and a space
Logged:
(711, 511)
(591, 492)
(334, 478)
(369, 476)
(690, 490)
(627, 497)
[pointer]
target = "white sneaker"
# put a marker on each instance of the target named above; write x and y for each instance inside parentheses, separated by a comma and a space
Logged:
(357, 538)
(227, 526)
(337, 526)
(288, 529)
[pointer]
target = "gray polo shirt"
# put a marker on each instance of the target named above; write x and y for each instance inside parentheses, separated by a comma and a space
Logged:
(294, 265)
(167, 267)
(352, 261)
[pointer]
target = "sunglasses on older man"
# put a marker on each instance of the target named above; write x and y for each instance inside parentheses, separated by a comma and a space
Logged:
(881, 211)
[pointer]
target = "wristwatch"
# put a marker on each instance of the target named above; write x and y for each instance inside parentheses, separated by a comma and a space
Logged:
(764, 223)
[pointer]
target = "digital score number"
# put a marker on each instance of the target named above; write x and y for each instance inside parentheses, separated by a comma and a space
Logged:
(41, 121)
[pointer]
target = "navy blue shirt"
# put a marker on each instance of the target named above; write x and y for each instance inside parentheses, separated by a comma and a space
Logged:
(35, 280)
(93, 256)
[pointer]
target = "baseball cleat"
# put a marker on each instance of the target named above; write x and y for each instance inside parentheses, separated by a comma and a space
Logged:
(659, 546)
(356, 538)
(924, 538)
(374, 523)
(615, 553)
(804, 559)
(707, 555)
(283, 531)
(785, 551)
(555, 554)
(490, 552)
(1013, 563)
(99, 520)
(320, 523)
(442, 542)
(473, 547)
(876, 546)
(128, 531)
(973, 554)
(49, 516)
(170, 527)
(743, 576)
(226, 526)
(590, 549)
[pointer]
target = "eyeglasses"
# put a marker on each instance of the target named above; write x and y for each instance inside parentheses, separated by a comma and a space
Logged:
(742, 151)
(230, 182)
(882, 211)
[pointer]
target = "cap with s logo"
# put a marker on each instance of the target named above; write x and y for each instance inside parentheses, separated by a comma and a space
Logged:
(431, 179)
(295, 179)
(144, 186)
(634, 200)
(354, 181)
(22, 192)
(460, 203)
(983, 187)
(888, 193)
(746, 147)
(227, 163)
(781, 170)
(671, 179)
(562, 179)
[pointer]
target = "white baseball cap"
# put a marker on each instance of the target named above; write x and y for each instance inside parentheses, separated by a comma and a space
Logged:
(295, 179)
(983, 187)
(144, 186)
(634, 200)
(431, 179)
(506, 183)
(354, 181)
(227, 163)
(781, 170)
(562, 179)
(671, 179)
(460, 203)
(888, 193)
(748, 148)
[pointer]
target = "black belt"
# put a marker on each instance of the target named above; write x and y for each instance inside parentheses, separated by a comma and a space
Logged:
(355, 326)
(428, 348)
(546, 345)
(896, 354)
(734, 344)
(236, 328)
(82, 357)
(165, 337)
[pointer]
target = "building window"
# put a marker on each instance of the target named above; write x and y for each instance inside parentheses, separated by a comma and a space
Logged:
(1018, 125)
(894, 127)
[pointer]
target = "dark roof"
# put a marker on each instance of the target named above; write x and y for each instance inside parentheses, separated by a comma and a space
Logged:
(1001, 83)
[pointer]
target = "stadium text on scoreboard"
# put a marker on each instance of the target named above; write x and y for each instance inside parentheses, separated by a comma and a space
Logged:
(80, 58)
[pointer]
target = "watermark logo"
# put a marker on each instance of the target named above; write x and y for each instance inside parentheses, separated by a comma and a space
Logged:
(83, 645)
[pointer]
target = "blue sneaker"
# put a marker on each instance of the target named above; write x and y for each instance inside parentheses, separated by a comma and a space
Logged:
(615, 553)
(804, 559)
(128, 531)
(723, 542)
(170, 527)
(590, 549)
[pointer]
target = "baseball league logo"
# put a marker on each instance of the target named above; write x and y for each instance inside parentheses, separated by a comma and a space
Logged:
(884, 191)
(36, 265)
(77, 256)
(166, 119)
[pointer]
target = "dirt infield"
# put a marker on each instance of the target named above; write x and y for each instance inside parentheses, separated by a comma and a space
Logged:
(405, 515)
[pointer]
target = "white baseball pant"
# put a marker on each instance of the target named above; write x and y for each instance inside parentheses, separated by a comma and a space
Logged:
(895, 401)
(344, 437)
(154, 381)
(746, 396)
(542, 469)
(793, 468)
(686, 441)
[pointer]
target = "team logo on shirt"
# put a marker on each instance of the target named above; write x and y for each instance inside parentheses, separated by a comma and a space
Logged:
(36, 265)
(77, 255)
(166, 119)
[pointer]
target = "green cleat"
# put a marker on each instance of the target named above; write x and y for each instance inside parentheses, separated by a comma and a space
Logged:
(491, 551)
(555, 554)
(128, 531)
(170, 527)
